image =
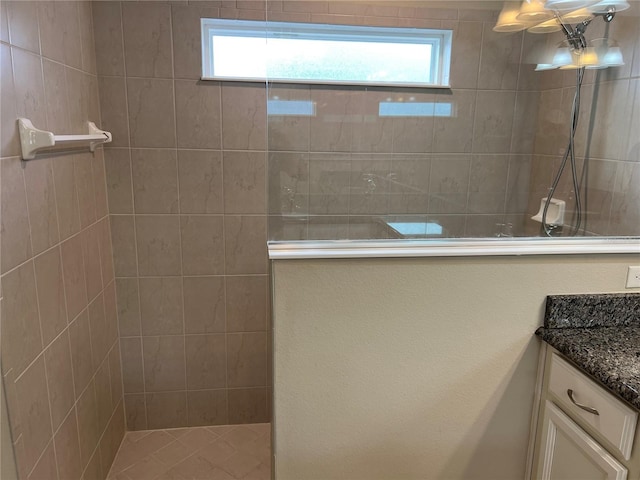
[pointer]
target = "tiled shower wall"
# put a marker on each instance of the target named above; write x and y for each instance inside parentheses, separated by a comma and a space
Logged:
(333, 174)
(60, 350)
(608, 136)
(186, 176)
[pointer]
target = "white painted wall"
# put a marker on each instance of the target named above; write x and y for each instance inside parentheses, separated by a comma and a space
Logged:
(414, 368)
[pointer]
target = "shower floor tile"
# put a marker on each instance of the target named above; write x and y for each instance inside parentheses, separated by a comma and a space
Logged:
(227, 452)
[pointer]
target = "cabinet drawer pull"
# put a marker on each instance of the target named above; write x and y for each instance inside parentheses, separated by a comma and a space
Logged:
(579, 405)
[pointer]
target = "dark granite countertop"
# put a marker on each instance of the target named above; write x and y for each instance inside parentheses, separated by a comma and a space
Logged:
(601, 335)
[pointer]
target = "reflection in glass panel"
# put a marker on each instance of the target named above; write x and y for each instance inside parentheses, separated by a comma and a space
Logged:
(472, 161)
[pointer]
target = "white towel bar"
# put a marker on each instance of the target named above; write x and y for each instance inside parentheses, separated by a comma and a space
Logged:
(34, 140)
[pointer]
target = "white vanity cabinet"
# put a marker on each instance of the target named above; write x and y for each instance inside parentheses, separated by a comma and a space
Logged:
(583, 431)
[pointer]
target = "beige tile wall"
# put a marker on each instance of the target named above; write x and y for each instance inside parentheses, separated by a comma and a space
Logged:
(186, 180)
(607, 136)
(467, 172)
(59, 337)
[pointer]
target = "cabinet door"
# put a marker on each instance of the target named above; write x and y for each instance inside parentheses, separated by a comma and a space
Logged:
(568, 453)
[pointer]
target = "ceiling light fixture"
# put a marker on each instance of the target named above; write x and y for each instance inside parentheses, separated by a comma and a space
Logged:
(507, 20)
(533, 11)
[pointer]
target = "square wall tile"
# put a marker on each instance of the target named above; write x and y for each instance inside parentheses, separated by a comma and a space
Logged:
(128, 307)
(151, 113)
(106, 251)
(288, 182)
(202, 245)
(21, 340)
(80, 338)
(158, 239)
(112, 437)
(155, 180)
(29, 87)
(161, 306)
(487, 183)
(60, 32)
(245, 244)
(331, 128)
(493, 121)
(466, 38)
(288, 132)
(43, 217)
(244, 117)
(200, 180)
(90, 240)
(51, 301)
(246, 303)
(204, 304)
(107, 31)
(500, 59)
(103, 396)
(115, 374)
(246, 359)
(68, 448)
(164, 364)
(55, 89)
(135, 412)
(166, 410)
(113, 109)
(64, 178)
(85, 188)
(207, 407)
(23, 24)
(123, 239)
(454, 134)
(46, 466)
(60, 379)
(16, 235)
(119, 180)
(245, 182)
(132, 370)
(98, 326)
(35, 415)
(248, 405)
(9, 138)
(147, 39)
(198, 114)
(206, 359)
(87, 424)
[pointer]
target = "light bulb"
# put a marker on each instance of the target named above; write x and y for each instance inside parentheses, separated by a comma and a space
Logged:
(507, 20)
(533, 11)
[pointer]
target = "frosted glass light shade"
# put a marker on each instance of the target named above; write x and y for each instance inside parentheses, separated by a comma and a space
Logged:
(613, 57)
(549, 26)
(603, 6)
(563, 57)
(577, 16)
(568, 4)
(507, 20)
(541, 67)
(583, 58)
(533, 11)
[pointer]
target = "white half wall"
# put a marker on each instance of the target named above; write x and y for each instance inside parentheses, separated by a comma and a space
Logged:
(414, 368)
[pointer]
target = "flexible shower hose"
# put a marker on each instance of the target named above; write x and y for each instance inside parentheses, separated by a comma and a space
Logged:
(569, 154)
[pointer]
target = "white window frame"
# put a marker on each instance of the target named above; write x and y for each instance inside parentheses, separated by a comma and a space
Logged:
(439, 39)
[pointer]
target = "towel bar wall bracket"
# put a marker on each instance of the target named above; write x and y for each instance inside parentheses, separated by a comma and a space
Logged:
(34, 140)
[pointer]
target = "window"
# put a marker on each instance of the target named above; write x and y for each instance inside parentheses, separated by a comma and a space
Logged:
(327, 54)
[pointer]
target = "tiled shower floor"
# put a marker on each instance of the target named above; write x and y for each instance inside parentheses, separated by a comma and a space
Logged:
(200, 453)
